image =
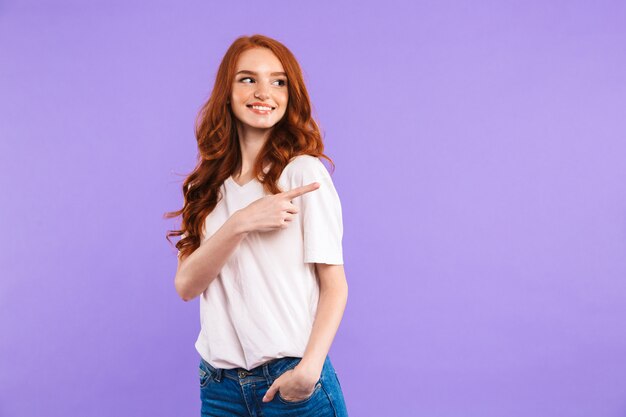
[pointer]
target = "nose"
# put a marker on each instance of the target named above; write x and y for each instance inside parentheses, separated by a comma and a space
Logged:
(261, 92)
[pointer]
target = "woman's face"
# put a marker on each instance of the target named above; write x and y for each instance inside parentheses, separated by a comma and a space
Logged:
(260, 79)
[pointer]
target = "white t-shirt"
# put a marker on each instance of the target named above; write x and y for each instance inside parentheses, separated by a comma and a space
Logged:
(263, 302)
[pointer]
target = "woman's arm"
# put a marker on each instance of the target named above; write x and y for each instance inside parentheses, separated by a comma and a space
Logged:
(330, 308)
(196, 271)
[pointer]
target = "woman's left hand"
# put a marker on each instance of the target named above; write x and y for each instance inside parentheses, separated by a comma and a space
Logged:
(296, 384)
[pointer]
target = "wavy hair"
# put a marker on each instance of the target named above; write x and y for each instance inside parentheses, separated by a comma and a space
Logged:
(219, 152)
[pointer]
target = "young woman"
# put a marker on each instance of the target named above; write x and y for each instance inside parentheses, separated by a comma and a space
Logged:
(261, 243)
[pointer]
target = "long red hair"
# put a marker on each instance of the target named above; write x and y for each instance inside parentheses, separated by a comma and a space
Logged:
(219, 155)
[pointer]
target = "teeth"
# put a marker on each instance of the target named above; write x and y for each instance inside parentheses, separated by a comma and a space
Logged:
(261, 108)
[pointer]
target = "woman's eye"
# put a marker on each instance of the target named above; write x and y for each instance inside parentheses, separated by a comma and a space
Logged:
(282, 82)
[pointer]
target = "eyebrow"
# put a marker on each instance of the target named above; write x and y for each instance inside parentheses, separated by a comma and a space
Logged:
(254, 73)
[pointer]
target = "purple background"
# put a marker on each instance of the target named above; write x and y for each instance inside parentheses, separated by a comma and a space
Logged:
(481, 162)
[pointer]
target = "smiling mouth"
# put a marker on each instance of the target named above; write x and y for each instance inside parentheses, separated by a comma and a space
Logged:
(261, 108)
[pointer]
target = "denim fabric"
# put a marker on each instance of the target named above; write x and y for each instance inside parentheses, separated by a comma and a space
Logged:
(239, 392)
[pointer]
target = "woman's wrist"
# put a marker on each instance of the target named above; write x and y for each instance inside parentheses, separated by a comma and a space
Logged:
(239, 224)
(308, 372)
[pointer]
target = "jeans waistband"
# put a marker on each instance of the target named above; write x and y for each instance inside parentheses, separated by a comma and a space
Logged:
(268, 371)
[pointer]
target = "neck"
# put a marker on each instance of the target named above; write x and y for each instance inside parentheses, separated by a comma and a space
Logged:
(251, 141)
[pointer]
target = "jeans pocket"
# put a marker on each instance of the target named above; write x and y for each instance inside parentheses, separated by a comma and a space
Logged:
(317, 388)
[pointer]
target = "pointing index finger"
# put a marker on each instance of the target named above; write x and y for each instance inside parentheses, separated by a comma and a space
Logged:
(298, 191)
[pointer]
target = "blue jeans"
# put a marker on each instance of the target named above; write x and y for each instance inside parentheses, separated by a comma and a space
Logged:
(239, 392)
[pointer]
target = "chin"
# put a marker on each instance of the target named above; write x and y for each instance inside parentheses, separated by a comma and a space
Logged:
(263, 125)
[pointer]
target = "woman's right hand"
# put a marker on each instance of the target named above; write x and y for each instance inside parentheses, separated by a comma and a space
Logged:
(273, 211)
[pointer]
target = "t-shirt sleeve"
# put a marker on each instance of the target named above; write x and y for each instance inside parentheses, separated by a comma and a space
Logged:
(321, 216)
